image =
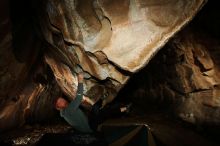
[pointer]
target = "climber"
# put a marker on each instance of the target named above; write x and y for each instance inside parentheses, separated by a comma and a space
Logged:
(73, 114)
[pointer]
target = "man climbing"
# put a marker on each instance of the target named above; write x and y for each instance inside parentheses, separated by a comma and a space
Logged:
(72, 113)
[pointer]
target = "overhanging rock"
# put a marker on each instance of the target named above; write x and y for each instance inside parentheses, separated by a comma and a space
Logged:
(109, 39)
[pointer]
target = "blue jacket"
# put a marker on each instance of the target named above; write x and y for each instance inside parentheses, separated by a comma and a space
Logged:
(74, 115)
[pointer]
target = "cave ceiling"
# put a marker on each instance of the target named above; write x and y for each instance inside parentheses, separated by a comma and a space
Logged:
(44, 44)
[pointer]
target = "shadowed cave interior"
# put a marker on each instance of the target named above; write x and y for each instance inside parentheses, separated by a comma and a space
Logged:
(176, 92)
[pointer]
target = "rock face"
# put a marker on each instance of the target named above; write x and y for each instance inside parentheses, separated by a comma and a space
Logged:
(45, 43)
(183, 77)
(198, 78)
(94, 38)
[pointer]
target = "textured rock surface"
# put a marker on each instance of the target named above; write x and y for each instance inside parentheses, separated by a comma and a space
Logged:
(184, 77)
(107, 40)
(199, 79)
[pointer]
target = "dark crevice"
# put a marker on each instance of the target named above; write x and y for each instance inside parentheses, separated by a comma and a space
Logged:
(199, 64)
(199, 90)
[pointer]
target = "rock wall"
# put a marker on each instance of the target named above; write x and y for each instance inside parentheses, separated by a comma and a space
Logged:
(92, 37)
(184, 76)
